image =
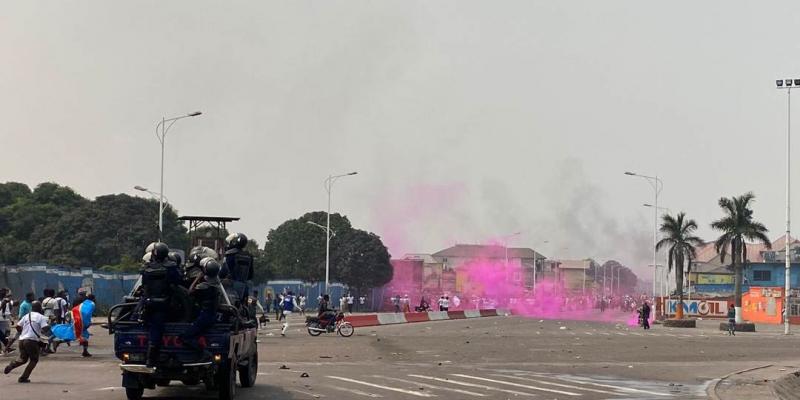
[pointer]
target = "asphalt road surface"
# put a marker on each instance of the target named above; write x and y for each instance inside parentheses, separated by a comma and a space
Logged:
(490, 358)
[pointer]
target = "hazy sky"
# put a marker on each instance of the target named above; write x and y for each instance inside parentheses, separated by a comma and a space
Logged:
(466, 120)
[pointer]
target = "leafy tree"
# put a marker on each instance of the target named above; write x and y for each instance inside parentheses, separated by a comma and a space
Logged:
(296, 249)
(106, 231)
(679, 237)
(737, 226)
(363, 261)
(11, 192)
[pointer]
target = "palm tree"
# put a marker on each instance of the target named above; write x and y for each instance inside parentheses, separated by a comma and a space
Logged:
(679, 237)
(737, 226)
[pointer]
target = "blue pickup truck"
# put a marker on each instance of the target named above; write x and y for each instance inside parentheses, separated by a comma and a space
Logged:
(232, 344)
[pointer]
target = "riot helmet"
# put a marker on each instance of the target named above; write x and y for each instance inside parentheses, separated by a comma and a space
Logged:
(174, 256)
(211, 268)
(236, 241)
(198, 253)
(160, 252)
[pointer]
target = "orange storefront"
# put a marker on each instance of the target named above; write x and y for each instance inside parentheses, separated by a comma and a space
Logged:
(764, 305)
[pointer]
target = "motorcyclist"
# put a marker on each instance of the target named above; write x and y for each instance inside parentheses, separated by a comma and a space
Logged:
(239, 263)
(324, 312)
(206, 294)
(160, 275)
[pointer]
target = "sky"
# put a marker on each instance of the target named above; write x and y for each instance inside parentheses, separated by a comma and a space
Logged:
(467, 121)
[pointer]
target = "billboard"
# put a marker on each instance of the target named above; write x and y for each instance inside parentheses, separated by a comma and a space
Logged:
(700, 308)
(714, 279)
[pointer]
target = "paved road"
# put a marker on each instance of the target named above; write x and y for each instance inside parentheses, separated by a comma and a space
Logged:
(491, 358)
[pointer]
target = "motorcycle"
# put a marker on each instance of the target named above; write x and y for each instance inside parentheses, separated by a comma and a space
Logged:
(335, 323)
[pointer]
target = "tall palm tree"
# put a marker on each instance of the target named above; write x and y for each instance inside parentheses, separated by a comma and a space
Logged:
(737, 226)
(679, 237)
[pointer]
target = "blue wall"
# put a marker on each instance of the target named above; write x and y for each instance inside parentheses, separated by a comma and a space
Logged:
(777, 272)
(108, 288)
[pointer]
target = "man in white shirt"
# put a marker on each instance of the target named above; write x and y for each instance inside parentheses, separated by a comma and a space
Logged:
(350, 300)
(31, 330)
(362, 300)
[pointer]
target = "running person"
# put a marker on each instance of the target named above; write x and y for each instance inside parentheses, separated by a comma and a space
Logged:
(288, 305)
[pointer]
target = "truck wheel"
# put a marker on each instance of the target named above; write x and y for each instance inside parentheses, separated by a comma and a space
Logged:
(226, 380)
(248, 373)
(134, 393)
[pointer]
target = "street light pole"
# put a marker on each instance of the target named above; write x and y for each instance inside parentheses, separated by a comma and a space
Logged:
(787, 84)
(657, 186)
(328, 187)
(161, 138)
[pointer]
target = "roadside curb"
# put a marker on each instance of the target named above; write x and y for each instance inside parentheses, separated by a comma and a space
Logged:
(711, 389)
(405, 318)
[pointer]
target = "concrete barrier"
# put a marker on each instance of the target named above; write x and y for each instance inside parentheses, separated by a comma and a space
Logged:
(417, 317)
(363, 320)
(472, 313)
(391, 318)
(488, 313)
(437, 315)
(456, 315)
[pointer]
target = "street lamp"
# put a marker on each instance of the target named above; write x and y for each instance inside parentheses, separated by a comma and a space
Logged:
(323, 227)
(328, 186)
(665, 283)
(153, 195)
(657, 185)
(161, 138)
(787, 84)
(505, 243)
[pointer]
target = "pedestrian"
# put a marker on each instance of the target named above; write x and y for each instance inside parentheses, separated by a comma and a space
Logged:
(396, 303)
(350, 302)
(446, 303)
(441, 303)
(25, 306)
(731, 320)
(276, 305)
(31, 329)
(302, 304)
(362, 301)
(457, 302)
(646, 315)
(268, 303)
(289, 305)
(5, 323)
(406, 303)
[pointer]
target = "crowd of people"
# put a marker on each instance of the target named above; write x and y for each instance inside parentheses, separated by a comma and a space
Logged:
(40, 325)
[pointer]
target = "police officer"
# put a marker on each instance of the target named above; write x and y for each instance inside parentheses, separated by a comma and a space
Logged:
(193, 271)
(239, 263)
(206, 294)
(159, 276)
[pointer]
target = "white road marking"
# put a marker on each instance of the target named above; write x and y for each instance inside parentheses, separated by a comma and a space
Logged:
(588, 333)
(620, 333)
(427, 385)
(394, 389)
(517, 385)
(587, 382)
(354, 391)
(604, 333)
(316, 396)
(555, 384)
(471, 385)
(108, 388)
